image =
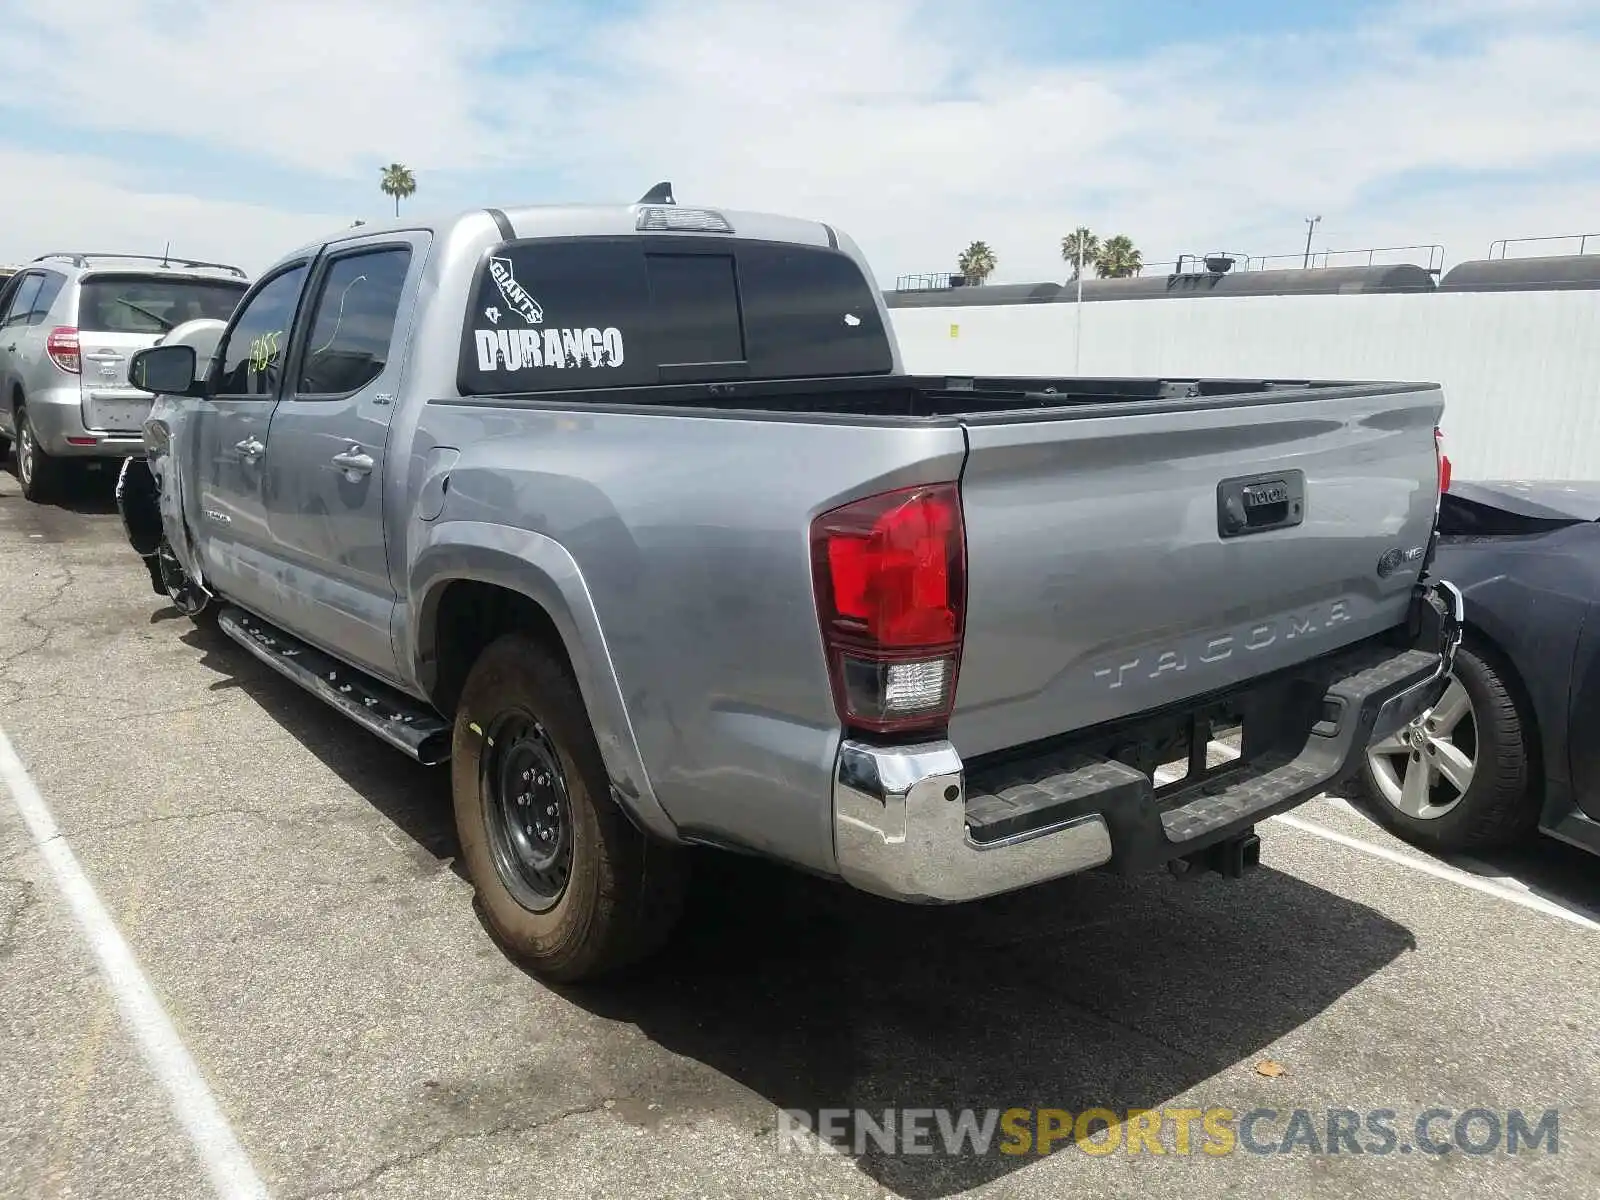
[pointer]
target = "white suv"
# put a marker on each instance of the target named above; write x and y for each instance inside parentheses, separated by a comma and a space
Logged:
(68, 325)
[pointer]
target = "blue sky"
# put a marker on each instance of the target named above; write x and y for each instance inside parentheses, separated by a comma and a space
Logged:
(240, 130)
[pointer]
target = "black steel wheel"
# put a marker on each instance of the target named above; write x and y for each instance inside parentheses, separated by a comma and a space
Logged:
(527, 812)
(565, 881)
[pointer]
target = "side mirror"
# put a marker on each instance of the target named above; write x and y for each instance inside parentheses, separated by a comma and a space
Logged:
(165, 370)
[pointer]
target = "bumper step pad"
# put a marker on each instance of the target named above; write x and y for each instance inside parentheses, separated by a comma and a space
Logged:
(1363, 690)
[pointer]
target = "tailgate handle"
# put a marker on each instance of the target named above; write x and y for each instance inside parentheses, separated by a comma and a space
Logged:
(1256, 503)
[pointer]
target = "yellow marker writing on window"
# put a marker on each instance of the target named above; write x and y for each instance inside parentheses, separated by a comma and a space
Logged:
(264, 350)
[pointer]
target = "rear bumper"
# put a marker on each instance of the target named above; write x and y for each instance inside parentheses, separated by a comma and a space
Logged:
(57, 416)
(915, 823)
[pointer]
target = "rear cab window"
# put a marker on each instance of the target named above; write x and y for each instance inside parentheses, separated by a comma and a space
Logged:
(352, 321)
(145, 304)
(633, 311)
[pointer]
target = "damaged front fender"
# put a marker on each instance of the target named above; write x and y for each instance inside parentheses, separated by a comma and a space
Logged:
(150, 489)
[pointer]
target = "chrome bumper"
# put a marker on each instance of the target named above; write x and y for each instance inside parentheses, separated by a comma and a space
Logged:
(900, 818)
(899, 821)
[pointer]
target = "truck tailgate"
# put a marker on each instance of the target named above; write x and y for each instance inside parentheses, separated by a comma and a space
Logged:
(1126, 557)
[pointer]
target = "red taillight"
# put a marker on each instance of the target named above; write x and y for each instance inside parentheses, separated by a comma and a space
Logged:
(1444, 460)
(62, 347)
(890, 576)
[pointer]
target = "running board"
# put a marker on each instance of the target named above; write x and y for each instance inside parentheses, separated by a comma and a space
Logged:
(378, 708)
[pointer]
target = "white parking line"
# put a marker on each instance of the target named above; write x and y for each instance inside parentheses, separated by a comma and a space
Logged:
(225, 1161)
(1439, 870)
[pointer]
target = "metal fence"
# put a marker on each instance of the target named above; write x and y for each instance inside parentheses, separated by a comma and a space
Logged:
(928, 282)
(1582, 239)
(1427, 255)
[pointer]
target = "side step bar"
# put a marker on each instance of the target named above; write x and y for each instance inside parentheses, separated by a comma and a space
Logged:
(404, 723)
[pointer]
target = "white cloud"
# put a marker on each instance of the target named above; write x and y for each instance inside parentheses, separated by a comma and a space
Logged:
(60, 203)
(896, 120)
(332, 87)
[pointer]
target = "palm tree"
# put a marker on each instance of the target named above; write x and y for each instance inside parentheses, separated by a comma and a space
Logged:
(1118, 258)
(976, 262)
(1080, 240)
(399, 182)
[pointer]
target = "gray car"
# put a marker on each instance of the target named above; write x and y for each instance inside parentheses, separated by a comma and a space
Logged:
(69, 323)
(632, 514)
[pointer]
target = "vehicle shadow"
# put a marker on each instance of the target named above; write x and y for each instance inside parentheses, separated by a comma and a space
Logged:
(1093, 992)
(85, 492)
(90, 492)
(414, 798)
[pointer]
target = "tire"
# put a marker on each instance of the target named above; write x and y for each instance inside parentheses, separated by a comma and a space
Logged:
(609, 895)
(1499, 806)
(39, 473)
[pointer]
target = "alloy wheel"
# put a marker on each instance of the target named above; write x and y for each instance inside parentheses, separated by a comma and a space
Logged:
(186, 597)
(25, 451)
(1424, 769)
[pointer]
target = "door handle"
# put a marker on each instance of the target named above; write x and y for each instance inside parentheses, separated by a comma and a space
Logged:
(353, 461)
(249, 448)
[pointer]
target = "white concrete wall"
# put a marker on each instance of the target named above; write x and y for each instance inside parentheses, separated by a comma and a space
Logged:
(1520, 370)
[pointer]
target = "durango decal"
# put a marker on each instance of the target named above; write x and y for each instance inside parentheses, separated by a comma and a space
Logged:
(519, 349)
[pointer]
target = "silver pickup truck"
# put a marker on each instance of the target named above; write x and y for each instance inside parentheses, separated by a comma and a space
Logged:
(631, 514)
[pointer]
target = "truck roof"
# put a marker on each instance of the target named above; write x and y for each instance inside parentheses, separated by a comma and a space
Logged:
(603, 220)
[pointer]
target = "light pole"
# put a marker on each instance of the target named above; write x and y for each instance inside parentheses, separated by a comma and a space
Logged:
(1311, 225)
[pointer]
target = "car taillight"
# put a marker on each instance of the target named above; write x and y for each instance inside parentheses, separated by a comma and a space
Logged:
(62, 347)
(1443, 460)
(890, 578)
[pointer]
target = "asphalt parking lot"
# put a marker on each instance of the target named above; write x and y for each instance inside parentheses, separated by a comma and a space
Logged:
(286, 887)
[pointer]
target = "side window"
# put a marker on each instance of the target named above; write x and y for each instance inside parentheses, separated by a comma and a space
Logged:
(21, 306)
(809, 312)
(250, 362)
(352, 324)
(48, 291)
(548, 315)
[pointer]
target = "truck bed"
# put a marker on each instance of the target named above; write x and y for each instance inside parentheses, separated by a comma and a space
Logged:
(1101, 582)
(940, 398)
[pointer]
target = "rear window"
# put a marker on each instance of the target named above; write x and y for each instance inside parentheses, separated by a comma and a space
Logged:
(809, 312)
(142, 304)
(633, 311)
(695, 299)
